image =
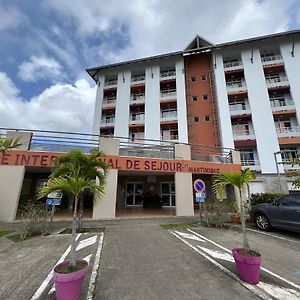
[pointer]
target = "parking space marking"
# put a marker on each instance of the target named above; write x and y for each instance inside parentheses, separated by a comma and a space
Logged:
(217, 254)
(86, 242)
(92, 284)
(189, 236)
(272, 235)
(279, 292)
(45, 283)
(218, 265)
(262, 268)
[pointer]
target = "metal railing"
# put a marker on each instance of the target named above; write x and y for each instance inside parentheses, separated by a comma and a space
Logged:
(109, 101)
(167, 73)
(168, 93)
(232, 64)
(271, 80)
(137, 97)
(235, 84)
(288, 131)
(111, 82)
(271, 58)
(138, 78)
(239, 107)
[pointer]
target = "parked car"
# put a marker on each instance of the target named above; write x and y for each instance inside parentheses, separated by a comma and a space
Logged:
(283, 213)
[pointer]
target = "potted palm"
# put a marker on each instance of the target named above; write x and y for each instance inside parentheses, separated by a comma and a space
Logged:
(67, 175)
(247, 261)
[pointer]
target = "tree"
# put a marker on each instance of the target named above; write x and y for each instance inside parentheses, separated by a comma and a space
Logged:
(70, 174)
(75, 163)
(8, 144)
(240, 181)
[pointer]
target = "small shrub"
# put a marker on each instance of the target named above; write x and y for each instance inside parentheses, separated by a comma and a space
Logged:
(258, 198)
(34, 216)
(214, 213)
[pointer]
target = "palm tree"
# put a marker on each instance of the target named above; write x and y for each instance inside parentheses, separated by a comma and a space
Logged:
(8, 144)
(75, 163)
(71, 175)
(240, 181)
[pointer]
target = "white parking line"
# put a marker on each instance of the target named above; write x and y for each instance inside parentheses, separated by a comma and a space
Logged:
(45, 283)
(218, 265)
(262, 268)
(189, 236)
(92, 284)
(273, 235)
(86, 242)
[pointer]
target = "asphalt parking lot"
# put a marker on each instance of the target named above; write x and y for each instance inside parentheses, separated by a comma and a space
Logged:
(142, 260)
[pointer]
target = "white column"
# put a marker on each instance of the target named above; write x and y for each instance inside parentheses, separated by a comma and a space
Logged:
(98, 105)
(262, 117)
(152, 103)
(184, 184)
(223, 106)
(292, 67)
(181, 102)
(106, 207)
(122, 105)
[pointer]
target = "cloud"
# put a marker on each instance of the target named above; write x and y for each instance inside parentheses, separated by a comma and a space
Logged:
(10, 18)
(61, 107)
(40, 68)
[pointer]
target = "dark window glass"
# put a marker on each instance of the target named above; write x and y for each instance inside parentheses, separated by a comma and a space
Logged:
(196, 119)
(205, 97)
(195, 98)
(290, 200)
(203, 77)
(193, 78)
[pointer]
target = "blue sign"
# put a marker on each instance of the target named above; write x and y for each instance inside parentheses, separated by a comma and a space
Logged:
(199, 185)
(200, 197)
(53, 202)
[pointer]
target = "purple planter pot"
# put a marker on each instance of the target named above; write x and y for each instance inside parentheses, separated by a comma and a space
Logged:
(68, 286)
(248, 267)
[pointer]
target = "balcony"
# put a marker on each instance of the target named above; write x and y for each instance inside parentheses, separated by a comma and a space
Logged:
(272, 60)
(243, 134)
(280, 81)
(288, 131)
(138, 79)
(232, 66)
(239, 109)
(168, 94)
(236, 86)
(107, 123)
(167, 75)
(111, 83)
(281, 104)
(169, 137)
(137, 119)
(109, 102)
(168, 116)
(137, 98)
(251, 164)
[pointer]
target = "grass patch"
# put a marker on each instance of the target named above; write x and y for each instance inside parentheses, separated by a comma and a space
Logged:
(5, 232)
(176, 226)
(84, 230)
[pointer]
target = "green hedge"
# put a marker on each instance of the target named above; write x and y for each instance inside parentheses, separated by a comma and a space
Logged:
(264, 197)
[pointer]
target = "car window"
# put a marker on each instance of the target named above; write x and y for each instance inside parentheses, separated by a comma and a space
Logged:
(290, 200)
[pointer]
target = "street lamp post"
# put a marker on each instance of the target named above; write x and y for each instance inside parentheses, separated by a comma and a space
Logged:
(277, 168)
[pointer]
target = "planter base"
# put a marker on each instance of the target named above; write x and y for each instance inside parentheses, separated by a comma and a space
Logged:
(68, 286)
(248, 267)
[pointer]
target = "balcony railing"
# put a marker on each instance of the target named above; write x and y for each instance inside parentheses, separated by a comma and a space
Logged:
(236, 86)
(277, 81)
(107, 122)
(164, 74)
(293, 131)
(170, 137)
(243, 134)
(272, 59)
(109, 101)
(111, 82)
(137, 98)
(233, 65)
(240, 108)
(168, 94)
(137, 119)
(251, 164)
(168, 116)
(280, 104)
(138, 78)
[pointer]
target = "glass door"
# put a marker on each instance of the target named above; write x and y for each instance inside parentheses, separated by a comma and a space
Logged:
(134, 194)
(167, 193)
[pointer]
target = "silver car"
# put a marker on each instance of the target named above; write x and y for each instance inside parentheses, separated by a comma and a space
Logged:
(283, 213)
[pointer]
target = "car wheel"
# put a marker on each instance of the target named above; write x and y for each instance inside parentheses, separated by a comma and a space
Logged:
(262, 222)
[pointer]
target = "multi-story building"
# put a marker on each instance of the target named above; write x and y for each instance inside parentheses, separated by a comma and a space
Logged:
(243, 94)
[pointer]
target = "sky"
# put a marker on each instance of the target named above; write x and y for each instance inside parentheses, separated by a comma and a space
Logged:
(46, 45)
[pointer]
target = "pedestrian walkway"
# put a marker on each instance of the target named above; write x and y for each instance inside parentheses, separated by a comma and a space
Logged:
(146, 262)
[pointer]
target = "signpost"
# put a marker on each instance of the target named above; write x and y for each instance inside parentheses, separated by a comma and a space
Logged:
(199, 187)
(53, 199)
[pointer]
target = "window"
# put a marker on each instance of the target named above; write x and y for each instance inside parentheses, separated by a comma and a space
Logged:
(193, 78)
(203, 77)
(207, 118)
(196, 119)
(290, 200)
(205, 97)
(195, 98)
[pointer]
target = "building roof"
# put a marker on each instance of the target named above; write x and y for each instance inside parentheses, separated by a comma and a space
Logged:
(197, 44)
